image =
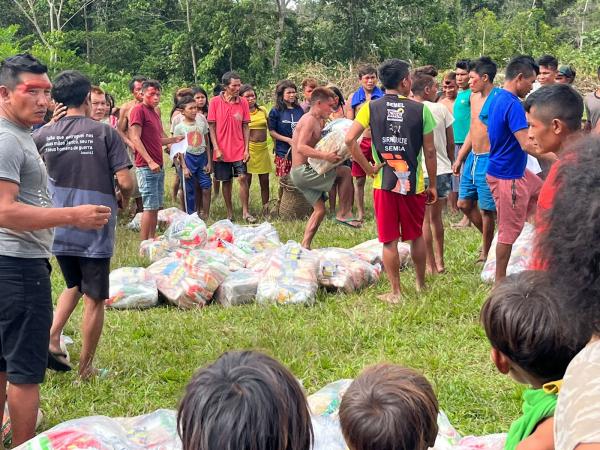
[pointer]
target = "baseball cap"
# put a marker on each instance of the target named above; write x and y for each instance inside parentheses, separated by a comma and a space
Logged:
(566, 71)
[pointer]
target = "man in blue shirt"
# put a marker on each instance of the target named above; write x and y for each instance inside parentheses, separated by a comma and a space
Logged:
(514, 188)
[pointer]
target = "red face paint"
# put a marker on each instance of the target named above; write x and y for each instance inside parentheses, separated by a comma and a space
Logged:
(33, 85)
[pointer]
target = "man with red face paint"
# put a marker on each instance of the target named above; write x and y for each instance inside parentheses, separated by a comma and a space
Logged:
(135, 87)
(228, 120)
(148, 137)
(27, 220)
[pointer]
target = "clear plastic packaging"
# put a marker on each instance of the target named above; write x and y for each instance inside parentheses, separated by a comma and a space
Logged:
(238, 288)
(333, 141)
(290, 277)
(187, 284)
(132, 288)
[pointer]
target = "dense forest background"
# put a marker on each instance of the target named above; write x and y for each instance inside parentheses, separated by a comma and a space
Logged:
(185, 41)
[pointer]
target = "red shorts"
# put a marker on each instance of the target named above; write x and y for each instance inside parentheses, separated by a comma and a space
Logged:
(282, 166)
(516, 201)
(398, 216)
(365, 146)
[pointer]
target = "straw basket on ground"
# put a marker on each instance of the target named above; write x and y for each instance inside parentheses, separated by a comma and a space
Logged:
(293, 204)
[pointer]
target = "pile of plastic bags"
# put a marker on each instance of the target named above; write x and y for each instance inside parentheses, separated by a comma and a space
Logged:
(520, 256)
(158, 430)
(192, 264)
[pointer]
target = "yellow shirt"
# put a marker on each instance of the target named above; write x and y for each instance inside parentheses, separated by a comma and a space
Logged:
(258, 119)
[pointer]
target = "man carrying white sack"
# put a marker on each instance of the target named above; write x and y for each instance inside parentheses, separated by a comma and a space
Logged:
(314, 186)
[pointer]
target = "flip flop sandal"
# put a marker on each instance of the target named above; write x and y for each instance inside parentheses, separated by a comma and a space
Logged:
(58, 361)
(348, 223)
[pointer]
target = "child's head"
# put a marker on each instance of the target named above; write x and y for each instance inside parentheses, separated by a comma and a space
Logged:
(523, 322)
(389, 407)
(367, 75)
(554, 113)
(188, 107)
(244, 401)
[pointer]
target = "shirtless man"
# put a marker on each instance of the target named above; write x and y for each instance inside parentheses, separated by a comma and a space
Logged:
(135, 86)
(313, 186)
(475, 154)
(367, 91)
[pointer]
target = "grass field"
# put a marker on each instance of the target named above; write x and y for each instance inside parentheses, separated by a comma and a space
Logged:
(152, 354)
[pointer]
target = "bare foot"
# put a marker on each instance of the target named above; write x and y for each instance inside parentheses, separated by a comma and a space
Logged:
(464, 223)
(419, 287)
(441, 269)
(429, 270)
(391, 298)
(92, 372)
(481, 260)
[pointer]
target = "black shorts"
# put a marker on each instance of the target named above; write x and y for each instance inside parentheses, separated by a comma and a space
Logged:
(225, 171)
(25, 318)
(90, 275)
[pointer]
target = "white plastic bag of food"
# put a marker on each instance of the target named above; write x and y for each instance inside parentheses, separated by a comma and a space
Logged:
(333, 141)
(187, 285)
(168, 215)
(187, 231)
(371, 251)
(131, 288)
(157, 248)
(136, 223)
(290, 277)
(520, 256)
(238, 288)
(341, 269)
(221, 230)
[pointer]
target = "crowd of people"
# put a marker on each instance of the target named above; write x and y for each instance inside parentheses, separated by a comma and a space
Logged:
(502, 156)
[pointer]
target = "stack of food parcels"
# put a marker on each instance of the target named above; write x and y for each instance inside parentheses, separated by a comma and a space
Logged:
(191, 265)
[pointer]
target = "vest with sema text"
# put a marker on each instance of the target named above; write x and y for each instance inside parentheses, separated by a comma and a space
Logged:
(397, 139)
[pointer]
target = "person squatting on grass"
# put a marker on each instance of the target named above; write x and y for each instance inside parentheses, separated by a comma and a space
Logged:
(244, 401)
(389, 407)
(533, 344)
(313, 186)
(197, 160)
(75, 178)
(26, 221)
(424, 89)
(401, 129)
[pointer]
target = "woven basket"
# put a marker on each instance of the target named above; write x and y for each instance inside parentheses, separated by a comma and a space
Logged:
(293, 203)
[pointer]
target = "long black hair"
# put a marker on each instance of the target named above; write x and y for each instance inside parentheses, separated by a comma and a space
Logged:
(200, 90)
(569, 244)
(279, 90)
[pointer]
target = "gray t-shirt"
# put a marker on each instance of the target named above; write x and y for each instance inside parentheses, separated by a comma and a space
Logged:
(20, 163)
(82, 157)
(592, 108)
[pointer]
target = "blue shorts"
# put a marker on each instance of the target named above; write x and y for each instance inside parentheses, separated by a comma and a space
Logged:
(473, 183)
(443, 184)
(152, 188)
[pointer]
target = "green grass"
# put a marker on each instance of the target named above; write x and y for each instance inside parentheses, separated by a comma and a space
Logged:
(152, 354)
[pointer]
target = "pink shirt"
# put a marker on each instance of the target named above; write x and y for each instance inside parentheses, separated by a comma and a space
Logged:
(229, 119)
